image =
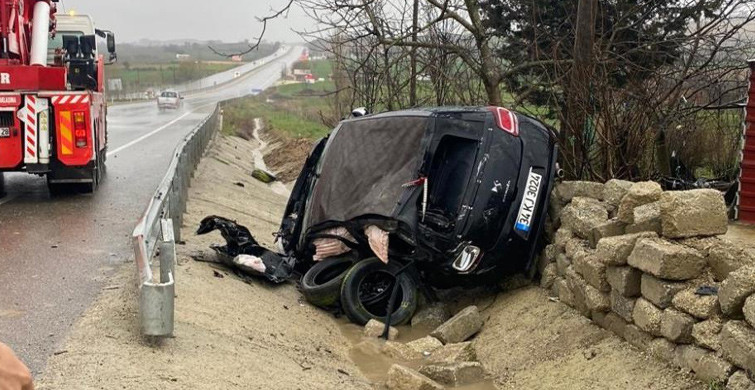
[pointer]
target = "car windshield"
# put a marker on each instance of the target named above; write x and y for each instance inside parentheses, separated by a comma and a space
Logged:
(57, 43)
(169, 94)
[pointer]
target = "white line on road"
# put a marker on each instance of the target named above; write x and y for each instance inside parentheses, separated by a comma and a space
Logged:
(151, 133)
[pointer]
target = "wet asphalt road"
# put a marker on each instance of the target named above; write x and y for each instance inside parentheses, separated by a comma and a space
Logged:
(56, 253)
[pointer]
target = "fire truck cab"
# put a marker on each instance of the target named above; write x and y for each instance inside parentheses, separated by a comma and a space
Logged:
(52, 98)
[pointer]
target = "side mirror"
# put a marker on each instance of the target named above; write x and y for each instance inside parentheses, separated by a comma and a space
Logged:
(111, 43)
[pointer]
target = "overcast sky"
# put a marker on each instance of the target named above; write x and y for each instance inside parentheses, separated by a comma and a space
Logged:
(227, 20)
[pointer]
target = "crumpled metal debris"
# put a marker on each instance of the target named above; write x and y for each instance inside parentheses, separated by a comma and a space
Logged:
(242, 252)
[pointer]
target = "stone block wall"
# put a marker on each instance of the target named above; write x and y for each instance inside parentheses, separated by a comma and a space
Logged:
(652, 267)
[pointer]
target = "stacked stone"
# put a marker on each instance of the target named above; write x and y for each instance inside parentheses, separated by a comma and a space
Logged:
(646, 264)
(445, 357)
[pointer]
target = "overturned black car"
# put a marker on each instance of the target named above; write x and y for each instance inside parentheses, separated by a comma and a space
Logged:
(438, 198)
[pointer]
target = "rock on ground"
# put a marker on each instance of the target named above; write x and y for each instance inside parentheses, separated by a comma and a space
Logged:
(431, 316)
(740, 381)
(693, 213)
(707, 334)
(404, 378)
(425, 345)
(375, 328)
(616, 250)
(460, 327)
(454, 374)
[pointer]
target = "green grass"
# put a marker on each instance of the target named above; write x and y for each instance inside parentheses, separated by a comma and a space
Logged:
(139, 77)
(288, 114)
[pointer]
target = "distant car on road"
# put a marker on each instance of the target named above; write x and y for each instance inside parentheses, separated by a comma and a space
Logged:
(256, 91)
(169, 99)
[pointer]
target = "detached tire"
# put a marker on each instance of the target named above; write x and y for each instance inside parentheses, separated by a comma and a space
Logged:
(366, 291)
(321, 284)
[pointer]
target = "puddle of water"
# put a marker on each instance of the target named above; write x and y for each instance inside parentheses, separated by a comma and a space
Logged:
(366, 355)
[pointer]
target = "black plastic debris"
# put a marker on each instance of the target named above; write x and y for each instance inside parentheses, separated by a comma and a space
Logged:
(243, 253)
(707, 290)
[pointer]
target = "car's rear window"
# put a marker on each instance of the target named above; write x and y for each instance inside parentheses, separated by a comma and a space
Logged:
(169, 94)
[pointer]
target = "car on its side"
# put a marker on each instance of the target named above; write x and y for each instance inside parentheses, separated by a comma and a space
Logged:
(461, 192)
(169, 99)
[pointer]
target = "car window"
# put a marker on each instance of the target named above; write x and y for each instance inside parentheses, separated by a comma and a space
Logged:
(169, 94)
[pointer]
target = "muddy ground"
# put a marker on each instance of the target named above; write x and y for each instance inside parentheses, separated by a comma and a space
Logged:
(236, 335)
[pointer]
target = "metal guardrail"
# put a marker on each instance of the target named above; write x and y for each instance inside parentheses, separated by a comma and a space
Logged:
(160, 227)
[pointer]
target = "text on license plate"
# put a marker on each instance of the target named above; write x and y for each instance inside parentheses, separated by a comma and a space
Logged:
(4, 132)
(529, 202)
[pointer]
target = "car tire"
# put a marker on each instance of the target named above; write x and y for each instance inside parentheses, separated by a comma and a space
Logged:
(361, 306)
(321, 284)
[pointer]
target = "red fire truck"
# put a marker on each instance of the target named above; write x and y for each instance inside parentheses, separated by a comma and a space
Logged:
(52, 96)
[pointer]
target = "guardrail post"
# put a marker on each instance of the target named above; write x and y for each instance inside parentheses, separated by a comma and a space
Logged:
(167, 251)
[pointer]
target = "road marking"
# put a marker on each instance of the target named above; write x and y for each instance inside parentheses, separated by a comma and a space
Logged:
(151, 133)
(8, 198)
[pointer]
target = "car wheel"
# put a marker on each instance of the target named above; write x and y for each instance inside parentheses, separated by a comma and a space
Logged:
(366, 290)
(321, 284)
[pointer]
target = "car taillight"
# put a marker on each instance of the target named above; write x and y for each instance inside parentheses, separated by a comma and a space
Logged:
(80, 129)
(506, 120)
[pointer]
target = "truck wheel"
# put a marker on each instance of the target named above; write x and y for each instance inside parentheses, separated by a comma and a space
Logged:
(366, 290)
(321, 284)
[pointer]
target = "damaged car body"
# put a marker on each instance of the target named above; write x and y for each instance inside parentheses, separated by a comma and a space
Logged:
(458, 196)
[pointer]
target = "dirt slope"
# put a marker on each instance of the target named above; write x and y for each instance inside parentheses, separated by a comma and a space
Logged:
(529, 342)
(229, 334)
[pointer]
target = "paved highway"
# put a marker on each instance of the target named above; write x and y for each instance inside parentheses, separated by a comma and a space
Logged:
(56, 254)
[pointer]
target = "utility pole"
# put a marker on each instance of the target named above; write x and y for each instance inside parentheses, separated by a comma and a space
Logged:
(578, 94)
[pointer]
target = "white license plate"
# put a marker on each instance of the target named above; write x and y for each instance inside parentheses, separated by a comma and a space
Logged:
(529, 202)
(4, 132)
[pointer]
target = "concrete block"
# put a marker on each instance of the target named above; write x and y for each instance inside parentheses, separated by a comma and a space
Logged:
(647, 317)
(374, 328)
(705, 364)
(666, 260)
(707, 334)
(454, 353)
(693, 213)
(624, 280)
(550, 273)
(404, 378)
(638, 194)
(565, 294)
(592, 270)
(454, 374)
(738, 344)
(739, 381)
(662, 349)
(616, 250)
(622, 305)
(660, 292)
(698, 306)
(677, 326)
(582, 215)
(614, 190)
(735, 290)
(612, 227)
(460, 327)
(749, 310)
(568, 190)
(637, 337)
(563, 235)
(400, 351)
(562, 263)
(431, 316)
(425, 345)
(647, 218)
